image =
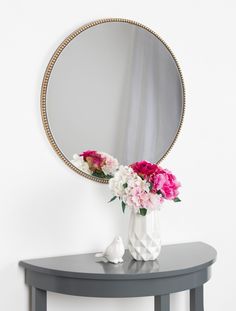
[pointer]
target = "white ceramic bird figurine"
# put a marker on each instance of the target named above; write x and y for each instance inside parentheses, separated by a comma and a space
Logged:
(114, 252)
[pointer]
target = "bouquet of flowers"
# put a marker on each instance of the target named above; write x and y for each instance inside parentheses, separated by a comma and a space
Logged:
(99, 164)
(143, 186)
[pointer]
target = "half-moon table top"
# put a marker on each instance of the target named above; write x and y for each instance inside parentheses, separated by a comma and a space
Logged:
(174, 260)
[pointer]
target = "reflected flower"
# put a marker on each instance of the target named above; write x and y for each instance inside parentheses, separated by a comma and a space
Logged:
(82, 165)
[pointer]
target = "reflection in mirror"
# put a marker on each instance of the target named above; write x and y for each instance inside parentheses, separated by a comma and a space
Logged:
(99, 164)
(114, 87)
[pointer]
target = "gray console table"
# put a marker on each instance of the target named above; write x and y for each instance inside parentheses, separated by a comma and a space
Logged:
(179, 267)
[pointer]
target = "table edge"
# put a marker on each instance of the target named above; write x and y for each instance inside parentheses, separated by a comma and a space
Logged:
(97, 276)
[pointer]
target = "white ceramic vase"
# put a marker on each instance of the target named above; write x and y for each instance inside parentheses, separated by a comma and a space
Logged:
(144, 242)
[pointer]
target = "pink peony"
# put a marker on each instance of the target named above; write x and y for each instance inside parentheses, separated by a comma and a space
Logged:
(144, 169)
(170, 186)
(157, 180)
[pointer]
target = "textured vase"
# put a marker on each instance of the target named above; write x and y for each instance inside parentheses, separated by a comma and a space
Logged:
(144, 241)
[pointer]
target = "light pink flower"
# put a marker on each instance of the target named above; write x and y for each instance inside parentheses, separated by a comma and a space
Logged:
(135, 197)
(138, 198)
(152, 201)
(110, 164)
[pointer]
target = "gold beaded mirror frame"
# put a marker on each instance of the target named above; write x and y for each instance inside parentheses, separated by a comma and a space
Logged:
(50, 98)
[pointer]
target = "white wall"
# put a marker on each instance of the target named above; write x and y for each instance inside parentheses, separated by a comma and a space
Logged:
(46, 209)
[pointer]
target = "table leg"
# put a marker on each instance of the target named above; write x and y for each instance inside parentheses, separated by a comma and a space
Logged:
(38, 299)
(162, 303)
(196, 299)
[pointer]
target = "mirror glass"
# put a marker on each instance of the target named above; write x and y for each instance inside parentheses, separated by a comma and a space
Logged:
(113, 87)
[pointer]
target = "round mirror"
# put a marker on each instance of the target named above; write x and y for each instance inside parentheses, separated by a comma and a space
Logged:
(113, 86)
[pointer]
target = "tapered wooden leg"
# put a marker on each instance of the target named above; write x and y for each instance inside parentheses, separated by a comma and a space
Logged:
(38, 300)
(162, 303)
(196, 299)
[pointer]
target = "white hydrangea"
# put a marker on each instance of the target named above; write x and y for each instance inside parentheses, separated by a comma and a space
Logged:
(82, 165)
(126, 176)
(121, 177)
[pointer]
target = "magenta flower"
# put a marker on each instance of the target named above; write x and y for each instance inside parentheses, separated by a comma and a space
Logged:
(94, 159)
(144, 169)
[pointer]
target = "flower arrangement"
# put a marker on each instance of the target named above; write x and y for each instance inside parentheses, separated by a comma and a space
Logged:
(143, 186)
(99, 164)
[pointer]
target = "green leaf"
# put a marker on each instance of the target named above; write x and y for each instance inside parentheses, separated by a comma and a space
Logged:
(123, 206)
(99, 174)
(112, 199)
(125, 185)
(108, 176)
(150, 187)
(143, 211)
(177, 200)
